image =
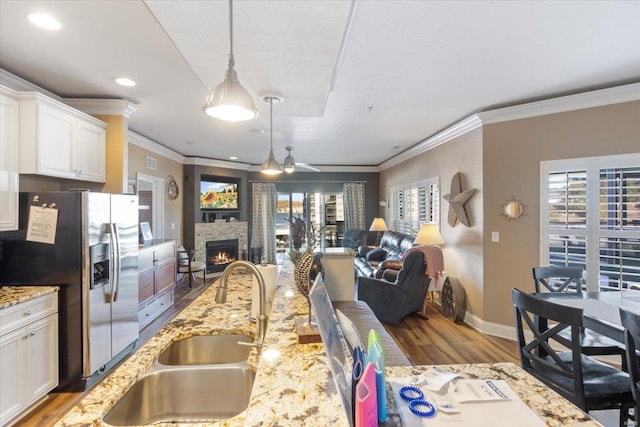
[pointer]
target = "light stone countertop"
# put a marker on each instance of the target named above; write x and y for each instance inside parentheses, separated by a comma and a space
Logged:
(295, 388)
(12, 295)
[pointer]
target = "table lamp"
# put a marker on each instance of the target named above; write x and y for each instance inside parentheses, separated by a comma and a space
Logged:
(378, 225)
(429, 235)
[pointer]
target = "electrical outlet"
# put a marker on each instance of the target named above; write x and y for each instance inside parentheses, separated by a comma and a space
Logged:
(495, 236)
(173, 225)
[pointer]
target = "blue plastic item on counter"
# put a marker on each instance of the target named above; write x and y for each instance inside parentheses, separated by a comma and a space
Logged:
(376, 357)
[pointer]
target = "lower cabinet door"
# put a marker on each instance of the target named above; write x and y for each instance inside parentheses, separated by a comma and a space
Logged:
(42, 358)
(12, 371)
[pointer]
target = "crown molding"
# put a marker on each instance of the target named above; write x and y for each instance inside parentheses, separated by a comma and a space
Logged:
(579, 101)
(203, 161)
(462, 127)
(333, 169)
(21, 85)
(110, 107)
(154, 147)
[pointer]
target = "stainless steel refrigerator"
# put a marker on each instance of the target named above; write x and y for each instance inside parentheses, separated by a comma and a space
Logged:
(94, 259)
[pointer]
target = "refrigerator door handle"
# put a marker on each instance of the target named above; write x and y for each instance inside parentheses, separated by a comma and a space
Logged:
(115, 246)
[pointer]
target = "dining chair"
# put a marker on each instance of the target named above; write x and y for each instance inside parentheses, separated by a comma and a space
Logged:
(187, 264)
(631, 323)
(569, 279)
(588, 383)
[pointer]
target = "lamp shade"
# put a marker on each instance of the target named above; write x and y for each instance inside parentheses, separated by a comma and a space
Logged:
(230, 101)
(429, 235)
(289, 163)
(271, 165)
(378, 224)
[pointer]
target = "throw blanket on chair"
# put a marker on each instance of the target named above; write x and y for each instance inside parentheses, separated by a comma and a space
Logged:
(432, 258)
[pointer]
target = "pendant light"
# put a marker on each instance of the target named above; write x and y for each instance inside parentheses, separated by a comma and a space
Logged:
(230, 101)
(289, 163)
(271, 165)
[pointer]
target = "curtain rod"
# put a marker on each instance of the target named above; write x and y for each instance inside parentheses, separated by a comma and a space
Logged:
(309, 182)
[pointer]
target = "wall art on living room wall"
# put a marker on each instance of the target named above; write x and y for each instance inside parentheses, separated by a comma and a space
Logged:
(457, 198)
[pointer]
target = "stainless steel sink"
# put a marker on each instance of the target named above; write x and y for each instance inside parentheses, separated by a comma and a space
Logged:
(194, 394)
(207, 350)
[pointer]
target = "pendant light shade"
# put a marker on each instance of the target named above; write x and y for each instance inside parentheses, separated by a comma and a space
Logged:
(289, 163)
(230, 101)
(271, 165)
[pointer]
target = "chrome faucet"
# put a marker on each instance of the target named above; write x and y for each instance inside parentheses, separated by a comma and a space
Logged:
(221, 296)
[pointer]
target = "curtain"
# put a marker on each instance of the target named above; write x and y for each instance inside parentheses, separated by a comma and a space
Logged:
(354, 205)
(263, 231)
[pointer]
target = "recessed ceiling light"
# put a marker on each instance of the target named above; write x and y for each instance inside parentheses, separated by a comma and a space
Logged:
(233, 157)
(45, 21)
(123, 81)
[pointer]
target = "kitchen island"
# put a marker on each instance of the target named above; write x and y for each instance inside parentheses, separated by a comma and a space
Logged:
(293, 384)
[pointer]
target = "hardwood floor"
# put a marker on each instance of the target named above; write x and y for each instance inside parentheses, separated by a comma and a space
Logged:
(435, 340)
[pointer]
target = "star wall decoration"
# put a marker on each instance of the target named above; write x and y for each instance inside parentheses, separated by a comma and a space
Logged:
(457, 198)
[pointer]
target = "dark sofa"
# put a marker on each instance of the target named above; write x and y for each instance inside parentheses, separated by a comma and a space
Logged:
(371, 261)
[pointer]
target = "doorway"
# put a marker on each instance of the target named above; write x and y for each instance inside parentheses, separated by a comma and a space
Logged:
(151, 203)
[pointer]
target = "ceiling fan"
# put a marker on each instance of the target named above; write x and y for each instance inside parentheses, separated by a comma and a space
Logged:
(290, 163)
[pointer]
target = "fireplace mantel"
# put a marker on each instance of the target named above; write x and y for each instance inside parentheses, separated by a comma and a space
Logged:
(205, 231)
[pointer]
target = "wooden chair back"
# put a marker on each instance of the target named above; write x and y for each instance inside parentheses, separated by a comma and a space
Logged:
(537, 356)
(631, 323)
(558, 279)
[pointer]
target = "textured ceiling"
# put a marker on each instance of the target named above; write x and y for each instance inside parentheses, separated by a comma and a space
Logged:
(362, 80)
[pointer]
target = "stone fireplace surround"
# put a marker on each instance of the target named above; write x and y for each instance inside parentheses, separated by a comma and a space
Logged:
(207, 231)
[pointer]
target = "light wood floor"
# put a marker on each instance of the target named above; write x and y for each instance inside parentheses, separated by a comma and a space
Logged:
(435, 340)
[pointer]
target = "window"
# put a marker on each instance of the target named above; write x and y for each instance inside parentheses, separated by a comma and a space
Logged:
(414, 204)
(590, 218)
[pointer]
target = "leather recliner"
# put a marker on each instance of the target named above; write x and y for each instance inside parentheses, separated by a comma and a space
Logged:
(391, 301)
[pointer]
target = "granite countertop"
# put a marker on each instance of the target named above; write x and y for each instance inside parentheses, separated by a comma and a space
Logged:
(293, 384)
(12, 295)
(278, 397)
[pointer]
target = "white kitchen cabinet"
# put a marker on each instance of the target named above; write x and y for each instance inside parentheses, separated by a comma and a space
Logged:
(9, 107)
(29, 354)
(60, 141)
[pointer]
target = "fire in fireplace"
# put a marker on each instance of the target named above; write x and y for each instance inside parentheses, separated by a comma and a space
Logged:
(221, 253)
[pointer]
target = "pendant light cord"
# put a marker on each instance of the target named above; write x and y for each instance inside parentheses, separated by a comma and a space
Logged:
(231, 28)
(271, 122)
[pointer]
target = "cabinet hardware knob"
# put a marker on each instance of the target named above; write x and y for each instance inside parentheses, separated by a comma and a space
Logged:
(33, 333)
(27, 313)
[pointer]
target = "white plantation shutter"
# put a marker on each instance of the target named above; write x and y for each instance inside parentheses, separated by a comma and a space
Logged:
(590, 218)
(413, 205)
(619, 215)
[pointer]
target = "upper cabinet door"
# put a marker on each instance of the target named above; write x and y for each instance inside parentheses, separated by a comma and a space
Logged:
(90, 141)
(57, 140)
(8, 160)
(55, 133)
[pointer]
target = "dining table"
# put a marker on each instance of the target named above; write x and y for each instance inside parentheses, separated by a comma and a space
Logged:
(600, 309)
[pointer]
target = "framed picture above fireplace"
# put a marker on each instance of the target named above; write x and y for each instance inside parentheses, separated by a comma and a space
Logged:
(218, 195)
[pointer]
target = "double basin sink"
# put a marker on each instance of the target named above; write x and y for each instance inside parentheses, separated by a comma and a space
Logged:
(197, 379)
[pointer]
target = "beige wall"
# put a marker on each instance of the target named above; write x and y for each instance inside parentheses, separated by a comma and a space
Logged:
(512, 152)
(463, 245)
(166, 167)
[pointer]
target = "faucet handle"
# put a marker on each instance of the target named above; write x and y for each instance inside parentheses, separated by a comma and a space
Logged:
(255, 344)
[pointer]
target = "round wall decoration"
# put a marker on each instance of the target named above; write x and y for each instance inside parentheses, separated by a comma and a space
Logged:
(172, 188)
(454, 302)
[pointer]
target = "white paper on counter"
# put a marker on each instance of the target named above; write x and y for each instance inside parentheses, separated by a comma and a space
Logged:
(479, 390)
(270, 275)
(495, 413)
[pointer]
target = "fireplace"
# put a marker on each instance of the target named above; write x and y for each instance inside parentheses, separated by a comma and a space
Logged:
(220, 253)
